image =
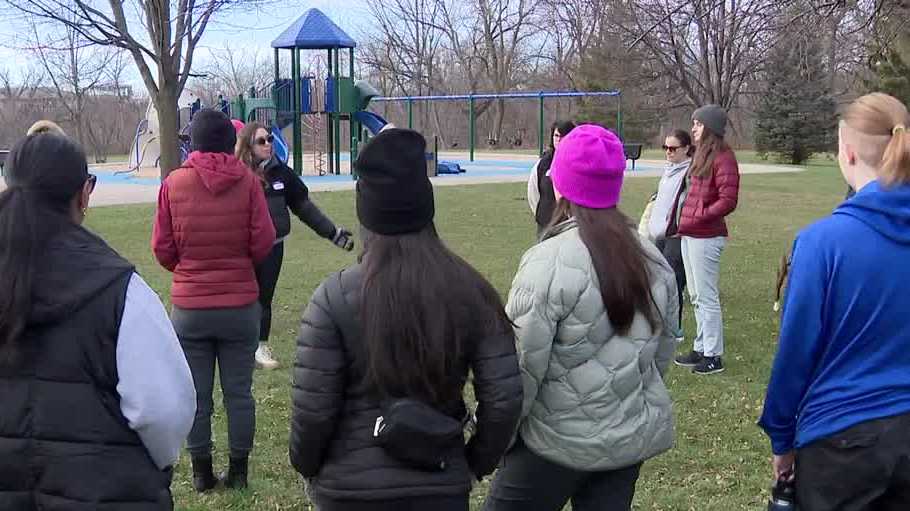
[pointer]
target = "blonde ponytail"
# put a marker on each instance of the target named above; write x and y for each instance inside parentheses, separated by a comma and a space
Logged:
(883, 118)
(895, 167)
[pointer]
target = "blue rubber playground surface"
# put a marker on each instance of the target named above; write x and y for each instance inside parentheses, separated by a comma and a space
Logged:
(475, 169)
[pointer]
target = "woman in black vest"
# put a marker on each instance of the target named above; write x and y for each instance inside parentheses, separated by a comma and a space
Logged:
(283, 191)
(96, 394)
(384, 353)
(540, 187)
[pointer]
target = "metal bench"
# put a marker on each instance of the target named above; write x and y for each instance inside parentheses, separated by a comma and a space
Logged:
(633, 152)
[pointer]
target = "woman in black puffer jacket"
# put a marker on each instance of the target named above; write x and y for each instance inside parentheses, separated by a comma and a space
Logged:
(406, 324)
(284, 191)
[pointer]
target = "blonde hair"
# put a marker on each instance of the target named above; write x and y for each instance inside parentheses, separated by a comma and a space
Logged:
(244, 148)
(45, 126)
(883, 123)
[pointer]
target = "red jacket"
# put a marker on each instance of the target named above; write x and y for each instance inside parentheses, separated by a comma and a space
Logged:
(711, 198)
(212, 226)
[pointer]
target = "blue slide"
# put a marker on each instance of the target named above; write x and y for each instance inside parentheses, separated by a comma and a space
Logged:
(373, 122)
(279, 145)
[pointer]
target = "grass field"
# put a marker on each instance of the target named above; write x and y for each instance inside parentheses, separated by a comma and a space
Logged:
(720, 461)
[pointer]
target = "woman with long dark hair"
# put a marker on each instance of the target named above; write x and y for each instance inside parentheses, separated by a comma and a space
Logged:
(711, 193)
(284, 191)
(595, 312)
(540, 187)
(97, 395)
(384, 354)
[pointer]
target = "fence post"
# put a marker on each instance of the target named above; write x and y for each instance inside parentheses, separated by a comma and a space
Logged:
(471, 127)
(540, 129)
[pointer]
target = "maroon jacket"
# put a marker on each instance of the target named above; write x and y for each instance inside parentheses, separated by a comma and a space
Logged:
(211, 227)
(711, 198)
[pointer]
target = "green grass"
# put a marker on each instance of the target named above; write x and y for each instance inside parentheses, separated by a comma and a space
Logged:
(721, 459)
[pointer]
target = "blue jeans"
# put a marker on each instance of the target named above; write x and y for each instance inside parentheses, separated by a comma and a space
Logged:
(701, 258)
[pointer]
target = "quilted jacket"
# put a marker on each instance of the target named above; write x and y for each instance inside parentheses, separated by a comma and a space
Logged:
(211, 227)
(710, 199)
(593, 399)
(334, 411)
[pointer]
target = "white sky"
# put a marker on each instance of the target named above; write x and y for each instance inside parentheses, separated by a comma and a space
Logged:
(244, 29)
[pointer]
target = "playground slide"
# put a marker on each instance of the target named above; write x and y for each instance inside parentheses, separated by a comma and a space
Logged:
(280, 145)
(373, 122)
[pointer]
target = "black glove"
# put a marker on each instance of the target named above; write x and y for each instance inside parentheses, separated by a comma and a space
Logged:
(343, 239)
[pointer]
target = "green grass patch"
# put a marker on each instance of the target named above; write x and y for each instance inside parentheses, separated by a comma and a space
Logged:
(721, 458)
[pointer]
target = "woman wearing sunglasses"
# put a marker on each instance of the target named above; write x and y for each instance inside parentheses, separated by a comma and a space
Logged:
(284, 191)
(662, 224)
(97, 394)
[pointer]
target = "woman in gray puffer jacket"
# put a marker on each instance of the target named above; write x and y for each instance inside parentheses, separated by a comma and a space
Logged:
(595, 309)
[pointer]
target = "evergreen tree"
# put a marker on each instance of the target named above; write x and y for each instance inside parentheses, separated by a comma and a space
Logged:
(796, 114)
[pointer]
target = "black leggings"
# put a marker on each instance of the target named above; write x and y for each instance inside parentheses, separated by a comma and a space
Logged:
(267, 275)
(671, 248)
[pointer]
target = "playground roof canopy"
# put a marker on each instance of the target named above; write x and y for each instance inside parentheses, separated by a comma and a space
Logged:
(314, 31)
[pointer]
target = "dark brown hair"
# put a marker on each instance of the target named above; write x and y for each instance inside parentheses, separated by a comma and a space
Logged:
(422, 309)
(685, 139)
(707, 149)
(619, 261)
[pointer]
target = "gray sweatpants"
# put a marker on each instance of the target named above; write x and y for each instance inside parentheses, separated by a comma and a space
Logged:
(228, 337)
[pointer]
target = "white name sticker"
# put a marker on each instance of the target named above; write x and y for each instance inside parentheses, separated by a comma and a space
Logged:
(278, 185)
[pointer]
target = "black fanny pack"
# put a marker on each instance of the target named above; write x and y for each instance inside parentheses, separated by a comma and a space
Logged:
(417, 434)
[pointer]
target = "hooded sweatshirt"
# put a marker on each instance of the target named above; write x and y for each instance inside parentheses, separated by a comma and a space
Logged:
(211, 227)
(667, 194)
(844, 353)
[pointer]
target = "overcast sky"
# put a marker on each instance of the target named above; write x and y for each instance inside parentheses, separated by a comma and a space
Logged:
(249, 29)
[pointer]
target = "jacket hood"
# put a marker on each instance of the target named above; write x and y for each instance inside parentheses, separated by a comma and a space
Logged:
(218, 171)
(76, 267)
(886, 210)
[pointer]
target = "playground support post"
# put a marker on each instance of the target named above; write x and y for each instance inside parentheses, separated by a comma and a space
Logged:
(298, 132)
(337, 154)
(619, 117)
(471, 127)
(540, 130)
(330, 125)
(353, 128)
(410, 114)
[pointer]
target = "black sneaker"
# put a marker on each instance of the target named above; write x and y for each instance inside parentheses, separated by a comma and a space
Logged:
(709, 365)
(691, 359)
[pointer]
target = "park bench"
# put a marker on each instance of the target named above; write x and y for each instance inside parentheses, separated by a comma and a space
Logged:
(633, 152)
(3, 154)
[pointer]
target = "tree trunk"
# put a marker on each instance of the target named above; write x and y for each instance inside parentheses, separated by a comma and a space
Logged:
(169, 124)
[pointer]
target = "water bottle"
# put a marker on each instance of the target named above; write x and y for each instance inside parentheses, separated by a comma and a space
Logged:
(783, 495)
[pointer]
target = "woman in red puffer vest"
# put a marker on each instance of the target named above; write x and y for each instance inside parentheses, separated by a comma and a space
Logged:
(710, 193)
(212, 226)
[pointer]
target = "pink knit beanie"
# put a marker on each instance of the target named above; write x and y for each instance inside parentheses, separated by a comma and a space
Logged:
(588, 167)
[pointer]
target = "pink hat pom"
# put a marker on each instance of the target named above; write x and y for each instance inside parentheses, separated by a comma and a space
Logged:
(238, 125)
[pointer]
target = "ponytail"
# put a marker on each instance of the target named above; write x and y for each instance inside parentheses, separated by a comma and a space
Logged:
(895, 167)
(44, 174)
(883, 118)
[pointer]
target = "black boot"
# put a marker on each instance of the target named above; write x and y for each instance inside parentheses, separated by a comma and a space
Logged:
(203, 477)
(236, 475)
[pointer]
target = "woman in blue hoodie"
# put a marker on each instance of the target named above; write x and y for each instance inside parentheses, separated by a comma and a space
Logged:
(837, 408)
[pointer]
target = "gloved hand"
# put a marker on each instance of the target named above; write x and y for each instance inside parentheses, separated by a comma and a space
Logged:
(343, 239)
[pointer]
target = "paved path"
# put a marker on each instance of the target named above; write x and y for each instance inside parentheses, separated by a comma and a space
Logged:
(116, 189)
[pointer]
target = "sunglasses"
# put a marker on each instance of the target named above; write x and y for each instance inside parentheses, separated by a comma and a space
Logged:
(264, 140)
(92, 180)
(670, 148)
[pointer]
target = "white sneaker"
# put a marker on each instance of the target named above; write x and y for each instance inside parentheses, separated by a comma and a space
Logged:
(264, 358)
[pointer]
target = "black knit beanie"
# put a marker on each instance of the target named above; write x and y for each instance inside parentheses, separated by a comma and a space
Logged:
(394, 194)
(212, 132)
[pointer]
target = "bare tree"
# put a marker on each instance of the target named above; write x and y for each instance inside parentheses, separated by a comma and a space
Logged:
(231, 72)
(173, 29)
(75, 68)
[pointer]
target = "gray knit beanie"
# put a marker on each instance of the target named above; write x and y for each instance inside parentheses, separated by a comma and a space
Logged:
(713, 117)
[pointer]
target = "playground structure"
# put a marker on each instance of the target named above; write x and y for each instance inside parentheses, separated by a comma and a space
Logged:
(323, 105)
